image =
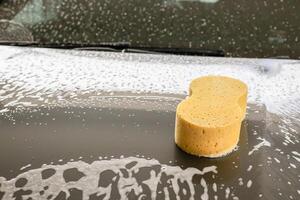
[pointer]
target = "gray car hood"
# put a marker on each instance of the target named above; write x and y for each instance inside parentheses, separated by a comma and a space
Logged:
(39, 78)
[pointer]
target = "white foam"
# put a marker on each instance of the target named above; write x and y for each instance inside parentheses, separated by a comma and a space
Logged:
(241, 181)
(210, 169)
(25, 167)
(296, 158)
(296, 153)
(249, 184)
(215, 187)
(204, 196)
(249, 168)
(227, 192)
(89, 182)
(293, 165)
(261, 144)
(278, 161)
(95, 72)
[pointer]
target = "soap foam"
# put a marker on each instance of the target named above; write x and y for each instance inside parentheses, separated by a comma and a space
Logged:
(259, 145)
(35, 77)
(124, 179)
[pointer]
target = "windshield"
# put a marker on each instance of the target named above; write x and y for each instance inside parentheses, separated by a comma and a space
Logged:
(240, 28)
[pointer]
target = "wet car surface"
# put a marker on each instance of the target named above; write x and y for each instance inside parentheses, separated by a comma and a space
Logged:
(82, 124)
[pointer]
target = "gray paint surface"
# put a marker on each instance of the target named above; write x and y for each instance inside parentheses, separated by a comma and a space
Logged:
(81, 105)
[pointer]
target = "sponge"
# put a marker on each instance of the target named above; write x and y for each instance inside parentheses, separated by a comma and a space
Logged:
(208, 122)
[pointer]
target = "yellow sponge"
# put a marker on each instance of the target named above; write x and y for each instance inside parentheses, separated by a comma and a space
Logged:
(208, 122)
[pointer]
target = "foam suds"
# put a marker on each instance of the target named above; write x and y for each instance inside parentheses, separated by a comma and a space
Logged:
(269, 81)
(210, 169)
(204, 196)
(25, 167)
(293, 166)
(227, 192)
(249, 168)
(249, 184)
(296, 158)
(241, 181)
(256, 147)
(215, 187)
(297, 155)
(123, 179)
(278, 161)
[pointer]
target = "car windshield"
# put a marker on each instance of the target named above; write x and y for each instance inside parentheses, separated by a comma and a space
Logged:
(239, 28)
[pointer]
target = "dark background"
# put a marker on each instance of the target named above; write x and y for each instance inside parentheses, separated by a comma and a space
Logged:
(240, 28)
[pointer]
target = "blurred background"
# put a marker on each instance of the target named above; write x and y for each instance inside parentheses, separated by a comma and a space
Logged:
(238, 28)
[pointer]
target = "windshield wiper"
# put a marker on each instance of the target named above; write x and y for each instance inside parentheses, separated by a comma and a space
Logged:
(121, 47)
(127, 47)
(65, 45)
(185, 51)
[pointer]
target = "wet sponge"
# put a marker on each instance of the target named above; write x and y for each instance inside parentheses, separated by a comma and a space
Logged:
(208, 122)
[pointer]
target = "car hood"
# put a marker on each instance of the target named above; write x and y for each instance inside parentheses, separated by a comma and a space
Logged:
(38, 81)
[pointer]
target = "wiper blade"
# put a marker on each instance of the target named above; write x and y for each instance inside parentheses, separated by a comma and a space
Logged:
(121, 47)
(186, 51)
(66, 45)
(157, 50)
(118, 49)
